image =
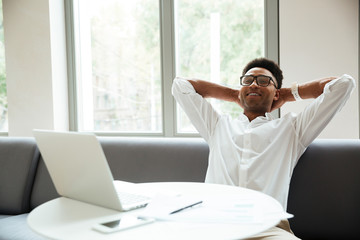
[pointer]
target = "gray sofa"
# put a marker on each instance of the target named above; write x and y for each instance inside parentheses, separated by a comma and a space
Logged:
(324, 192)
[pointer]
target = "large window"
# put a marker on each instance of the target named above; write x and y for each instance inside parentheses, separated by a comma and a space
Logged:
(215, 39)
(119, 88)
(3, 96)
(128, 52)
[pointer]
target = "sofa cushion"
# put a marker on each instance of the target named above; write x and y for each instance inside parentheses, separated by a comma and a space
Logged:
(324, 191)
(16, 228)
(43, 189)
(18, 162)
(156, 159)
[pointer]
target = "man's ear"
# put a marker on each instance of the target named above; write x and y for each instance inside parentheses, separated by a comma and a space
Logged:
(277, 95)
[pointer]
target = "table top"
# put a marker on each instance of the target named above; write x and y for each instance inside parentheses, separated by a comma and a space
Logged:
(64, 218)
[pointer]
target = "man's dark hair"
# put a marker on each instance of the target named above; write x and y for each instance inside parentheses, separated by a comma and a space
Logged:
(268, 64)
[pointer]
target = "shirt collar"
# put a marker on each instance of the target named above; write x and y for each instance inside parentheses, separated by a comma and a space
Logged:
(267, 117)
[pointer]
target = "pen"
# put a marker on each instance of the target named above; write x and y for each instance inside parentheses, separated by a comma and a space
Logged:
(189, 206)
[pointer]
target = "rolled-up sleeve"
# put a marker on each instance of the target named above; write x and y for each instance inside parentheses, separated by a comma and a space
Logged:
(200, 112)
(318, 114)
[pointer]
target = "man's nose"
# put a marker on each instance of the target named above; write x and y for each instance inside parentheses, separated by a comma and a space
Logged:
(254, 83)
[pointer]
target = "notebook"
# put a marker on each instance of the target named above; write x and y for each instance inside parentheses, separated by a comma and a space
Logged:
(79, 169)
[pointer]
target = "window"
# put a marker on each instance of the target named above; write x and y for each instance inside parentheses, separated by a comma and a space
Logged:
(128, 52)
(215, 39)
(120, 84)
(3, 95)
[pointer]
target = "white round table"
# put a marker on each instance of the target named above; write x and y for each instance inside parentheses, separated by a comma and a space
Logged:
(64, 218)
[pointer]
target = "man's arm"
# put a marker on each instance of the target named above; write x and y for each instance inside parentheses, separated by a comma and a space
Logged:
(311, 89)
(212, 90)
(307, 90)
(315, 116)
(201, 113)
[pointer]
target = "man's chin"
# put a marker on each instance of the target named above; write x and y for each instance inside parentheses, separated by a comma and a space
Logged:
(256, 109)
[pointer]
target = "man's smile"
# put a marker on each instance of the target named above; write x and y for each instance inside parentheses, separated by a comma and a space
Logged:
(253, 94)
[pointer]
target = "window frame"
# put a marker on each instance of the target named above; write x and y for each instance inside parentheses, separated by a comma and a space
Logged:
(2, 132)
(168, 67)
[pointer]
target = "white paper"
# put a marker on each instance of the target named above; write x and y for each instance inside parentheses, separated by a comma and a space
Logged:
(212, 210)
(162, 206)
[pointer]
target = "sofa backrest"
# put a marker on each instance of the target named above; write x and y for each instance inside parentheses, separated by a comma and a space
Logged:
(18, 162)
(325, 191)
(43, 189)
(156, 159)
(139, 159)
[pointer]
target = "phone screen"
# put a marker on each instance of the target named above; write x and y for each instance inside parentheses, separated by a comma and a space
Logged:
(112, 224)
(125, 222)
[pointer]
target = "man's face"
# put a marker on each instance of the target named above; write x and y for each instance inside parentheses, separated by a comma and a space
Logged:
(258, 99)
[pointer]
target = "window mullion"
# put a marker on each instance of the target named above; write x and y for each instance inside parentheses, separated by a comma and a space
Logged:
(272, 34)
(71, 66)
(167, 65)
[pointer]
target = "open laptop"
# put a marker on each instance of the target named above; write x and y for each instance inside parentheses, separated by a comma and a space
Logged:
(79, 169)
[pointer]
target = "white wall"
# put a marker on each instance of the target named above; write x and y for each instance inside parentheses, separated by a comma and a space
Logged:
(35, 65)
(318, 39)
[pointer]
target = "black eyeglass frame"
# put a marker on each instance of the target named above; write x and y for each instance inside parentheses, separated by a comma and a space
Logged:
(255, 78)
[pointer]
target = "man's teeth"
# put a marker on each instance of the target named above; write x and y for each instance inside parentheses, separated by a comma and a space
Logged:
(254, 94)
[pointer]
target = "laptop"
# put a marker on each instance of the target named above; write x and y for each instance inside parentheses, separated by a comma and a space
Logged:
(79, 169)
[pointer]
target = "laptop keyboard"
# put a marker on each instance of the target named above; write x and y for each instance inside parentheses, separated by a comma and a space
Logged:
(131, 198)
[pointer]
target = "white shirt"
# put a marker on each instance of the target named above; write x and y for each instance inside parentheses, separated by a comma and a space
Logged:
(260, 154)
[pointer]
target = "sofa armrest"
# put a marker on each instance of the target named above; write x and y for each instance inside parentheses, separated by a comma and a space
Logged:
(18, 162)
(325, 191)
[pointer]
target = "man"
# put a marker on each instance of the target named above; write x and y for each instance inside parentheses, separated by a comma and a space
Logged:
(255, 150)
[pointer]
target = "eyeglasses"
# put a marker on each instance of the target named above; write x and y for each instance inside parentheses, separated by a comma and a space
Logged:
(261, 80)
